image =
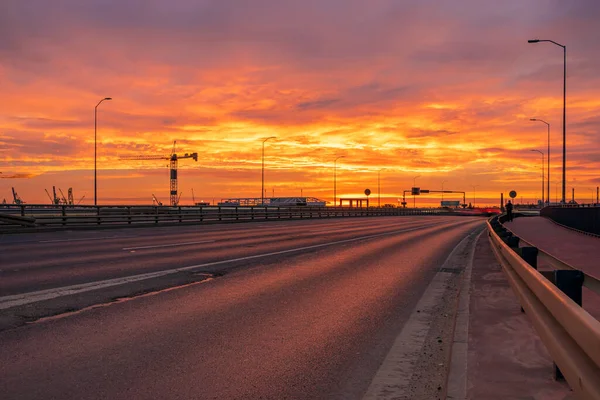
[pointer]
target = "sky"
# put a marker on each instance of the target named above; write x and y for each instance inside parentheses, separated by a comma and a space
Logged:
(443, 90)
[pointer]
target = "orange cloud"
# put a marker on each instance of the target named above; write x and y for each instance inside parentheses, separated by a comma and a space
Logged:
(437, 90)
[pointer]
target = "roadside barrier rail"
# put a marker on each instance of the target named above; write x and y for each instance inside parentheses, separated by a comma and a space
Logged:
(571, 334)
(23, 218)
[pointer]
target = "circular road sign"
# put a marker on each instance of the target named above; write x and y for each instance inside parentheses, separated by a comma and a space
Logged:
(367, 191)
(512, 194)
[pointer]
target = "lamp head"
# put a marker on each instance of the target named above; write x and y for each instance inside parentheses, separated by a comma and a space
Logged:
(533, 41)
(533, 119)
(108, 98)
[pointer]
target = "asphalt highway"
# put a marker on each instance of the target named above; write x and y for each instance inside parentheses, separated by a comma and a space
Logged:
(304, 310)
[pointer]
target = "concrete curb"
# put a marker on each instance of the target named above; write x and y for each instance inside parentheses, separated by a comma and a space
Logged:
(457, 376)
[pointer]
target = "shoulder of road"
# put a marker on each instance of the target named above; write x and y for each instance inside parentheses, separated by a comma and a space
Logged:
(496, 353)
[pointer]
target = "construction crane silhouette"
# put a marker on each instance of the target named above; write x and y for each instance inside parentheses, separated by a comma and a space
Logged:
(16, 198)
(173, 159)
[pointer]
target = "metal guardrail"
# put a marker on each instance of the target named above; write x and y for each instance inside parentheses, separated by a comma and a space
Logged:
(571, 334)
(66, 217)
(17, 220)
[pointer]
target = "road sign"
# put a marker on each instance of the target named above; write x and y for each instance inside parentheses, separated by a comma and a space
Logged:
(367, 192)
(448, 203)
(415, 191)
(512, 194)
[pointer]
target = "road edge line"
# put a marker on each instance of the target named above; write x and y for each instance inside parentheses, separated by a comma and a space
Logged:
(394, 375)
(456, 383)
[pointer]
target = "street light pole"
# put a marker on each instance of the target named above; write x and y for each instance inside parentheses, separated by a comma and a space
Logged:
(443, 190)
(542, 173)
(96, 149)
(564, 169)
(474, 186)
(379, 188)
(548, 160)
(414, 185)
(262, 191)
(335, 180)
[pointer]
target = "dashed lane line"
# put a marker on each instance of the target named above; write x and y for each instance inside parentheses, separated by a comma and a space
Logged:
(32, 297)
(168, 245)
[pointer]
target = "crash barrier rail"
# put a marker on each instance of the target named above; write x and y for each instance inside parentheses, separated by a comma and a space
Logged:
(571, 334)
(585, 218)
(45, 217)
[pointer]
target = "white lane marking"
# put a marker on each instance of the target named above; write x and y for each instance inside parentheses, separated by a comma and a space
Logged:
(167, 245)
(32, 297)
(394, 375)
(349, 228)
(81, 239)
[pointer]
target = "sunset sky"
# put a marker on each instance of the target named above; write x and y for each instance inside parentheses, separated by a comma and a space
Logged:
(440, 89)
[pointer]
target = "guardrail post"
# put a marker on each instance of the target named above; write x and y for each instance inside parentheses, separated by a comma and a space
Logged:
(503, 234)
(570, 282)
(179, 212)
(529, 255)
(129, 215)
(512, 242)
(237, 214)
(219, 213)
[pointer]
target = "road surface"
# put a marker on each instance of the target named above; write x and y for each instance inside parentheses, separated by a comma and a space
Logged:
(303, 310)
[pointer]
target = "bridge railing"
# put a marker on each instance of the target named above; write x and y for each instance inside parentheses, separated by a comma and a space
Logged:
(581, 217)
(32, 217)
(571, 334)
(590, 281)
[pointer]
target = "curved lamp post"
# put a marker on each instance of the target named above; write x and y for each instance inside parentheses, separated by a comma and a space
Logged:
(335, 180)
(538, 151)
(96, 149)
(443, 189)
(262, 189)
(379, 188)
(474, 186)
(564, 169)
(548, 161)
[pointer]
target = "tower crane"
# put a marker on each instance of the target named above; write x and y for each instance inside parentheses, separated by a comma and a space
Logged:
(16, 198)
(173, 160)
(64, 199)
